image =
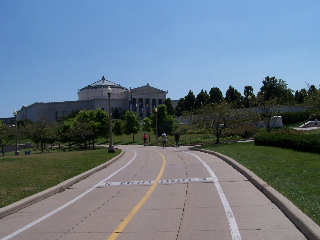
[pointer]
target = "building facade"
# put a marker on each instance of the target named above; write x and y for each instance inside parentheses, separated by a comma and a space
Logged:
(142, 100)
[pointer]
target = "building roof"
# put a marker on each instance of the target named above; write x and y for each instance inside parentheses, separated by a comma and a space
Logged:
(147, 89)
(102, 83)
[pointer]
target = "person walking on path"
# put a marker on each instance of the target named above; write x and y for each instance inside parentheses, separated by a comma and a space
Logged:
(145, 137)
(164, 140)
(316, 122)
(177, 139)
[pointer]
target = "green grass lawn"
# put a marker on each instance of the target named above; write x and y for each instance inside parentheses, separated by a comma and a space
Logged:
(24, 175)
(186, 139)
(294, 174)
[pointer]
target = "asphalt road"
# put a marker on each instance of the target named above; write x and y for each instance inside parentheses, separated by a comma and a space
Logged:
(155, 193)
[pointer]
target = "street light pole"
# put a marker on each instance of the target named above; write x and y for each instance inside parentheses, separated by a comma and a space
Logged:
(111, 148)
(15, 113)
(156, 111)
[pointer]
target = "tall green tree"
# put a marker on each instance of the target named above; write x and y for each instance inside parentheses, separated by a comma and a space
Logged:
(189, 101)
(248, 91)
(269, 109)
(6, 135)
(41, 132)
(300, 96)
(215, 117)
(166, 123)
(233, 96)
(89, 125)
(201, 99)
(170, 108)
(215, 95)
(117, 127)
(312, 89)
(277, 90)
(249, 97)
(180, 107)
(186, 104)
(313, 98)
(132, 123)
(147, 126)
(66, 132)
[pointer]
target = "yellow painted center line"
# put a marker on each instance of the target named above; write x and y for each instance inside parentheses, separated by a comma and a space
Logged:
(133, 212)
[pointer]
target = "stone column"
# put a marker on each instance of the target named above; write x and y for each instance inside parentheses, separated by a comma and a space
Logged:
(150, 106)
(144, 110)
(134, 105)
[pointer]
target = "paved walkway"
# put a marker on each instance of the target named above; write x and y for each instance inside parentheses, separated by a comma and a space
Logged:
(155, 193)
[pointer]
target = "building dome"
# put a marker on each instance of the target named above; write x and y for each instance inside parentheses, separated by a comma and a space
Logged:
(98, 90)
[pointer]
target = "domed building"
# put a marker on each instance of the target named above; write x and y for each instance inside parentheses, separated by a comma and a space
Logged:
(98, 90)
(142, 100)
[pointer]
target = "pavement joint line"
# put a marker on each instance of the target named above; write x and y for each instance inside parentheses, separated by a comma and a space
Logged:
(16, 206)
(143, 200)
(305, 224)
(67, 184)
(164, 181)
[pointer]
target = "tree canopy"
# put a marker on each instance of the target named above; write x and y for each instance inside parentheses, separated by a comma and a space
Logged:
(215, 117)
(166, 123)
(233, 96)
(132, 123)
(276, 89)
(215, 95)
(6, 135)
(201, 99)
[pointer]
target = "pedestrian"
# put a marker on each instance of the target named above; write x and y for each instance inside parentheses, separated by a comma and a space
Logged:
(164, 140)
(145, 137)
(177, 139)
(316, 122)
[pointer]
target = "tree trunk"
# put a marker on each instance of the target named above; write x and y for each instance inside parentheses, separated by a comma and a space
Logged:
(218, 134)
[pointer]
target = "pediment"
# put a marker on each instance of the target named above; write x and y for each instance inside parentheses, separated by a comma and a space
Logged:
(147, 89)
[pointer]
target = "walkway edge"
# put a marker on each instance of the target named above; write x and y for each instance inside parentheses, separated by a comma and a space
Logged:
(7, 210)
(305, 224)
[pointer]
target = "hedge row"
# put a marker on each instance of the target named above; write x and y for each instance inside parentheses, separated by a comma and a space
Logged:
(287, 138)
(298, 117)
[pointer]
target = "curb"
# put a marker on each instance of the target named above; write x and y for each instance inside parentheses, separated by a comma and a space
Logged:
(305, 224)
(7, 210)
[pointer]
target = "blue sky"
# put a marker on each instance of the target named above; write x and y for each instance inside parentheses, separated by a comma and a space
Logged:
(50, 49)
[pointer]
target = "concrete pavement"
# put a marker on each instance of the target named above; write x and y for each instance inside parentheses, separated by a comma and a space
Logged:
(305, 225)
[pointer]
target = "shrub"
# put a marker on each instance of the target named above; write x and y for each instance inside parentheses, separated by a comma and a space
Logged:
(289, 138)
(298, 117)
(240, 131)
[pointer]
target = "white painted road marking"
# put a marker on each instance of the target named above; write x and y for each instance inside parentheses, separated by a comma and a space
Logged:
(68, 203)
(183, 180)
(231, 219)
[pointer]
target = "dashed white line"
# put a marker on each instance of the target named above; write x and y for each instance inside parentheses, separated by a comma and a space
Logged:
(183, 180)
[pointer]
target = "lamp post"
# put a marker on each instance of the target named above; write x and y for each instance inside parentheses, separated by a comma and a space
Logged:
(156, 111)
(111, 148)
(15, 113)
(249, 99)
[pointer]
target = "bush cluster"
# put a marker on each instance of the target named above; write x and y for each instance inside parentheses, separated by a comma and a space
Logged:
(289, 138)
(240, 131)
(298, 117)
